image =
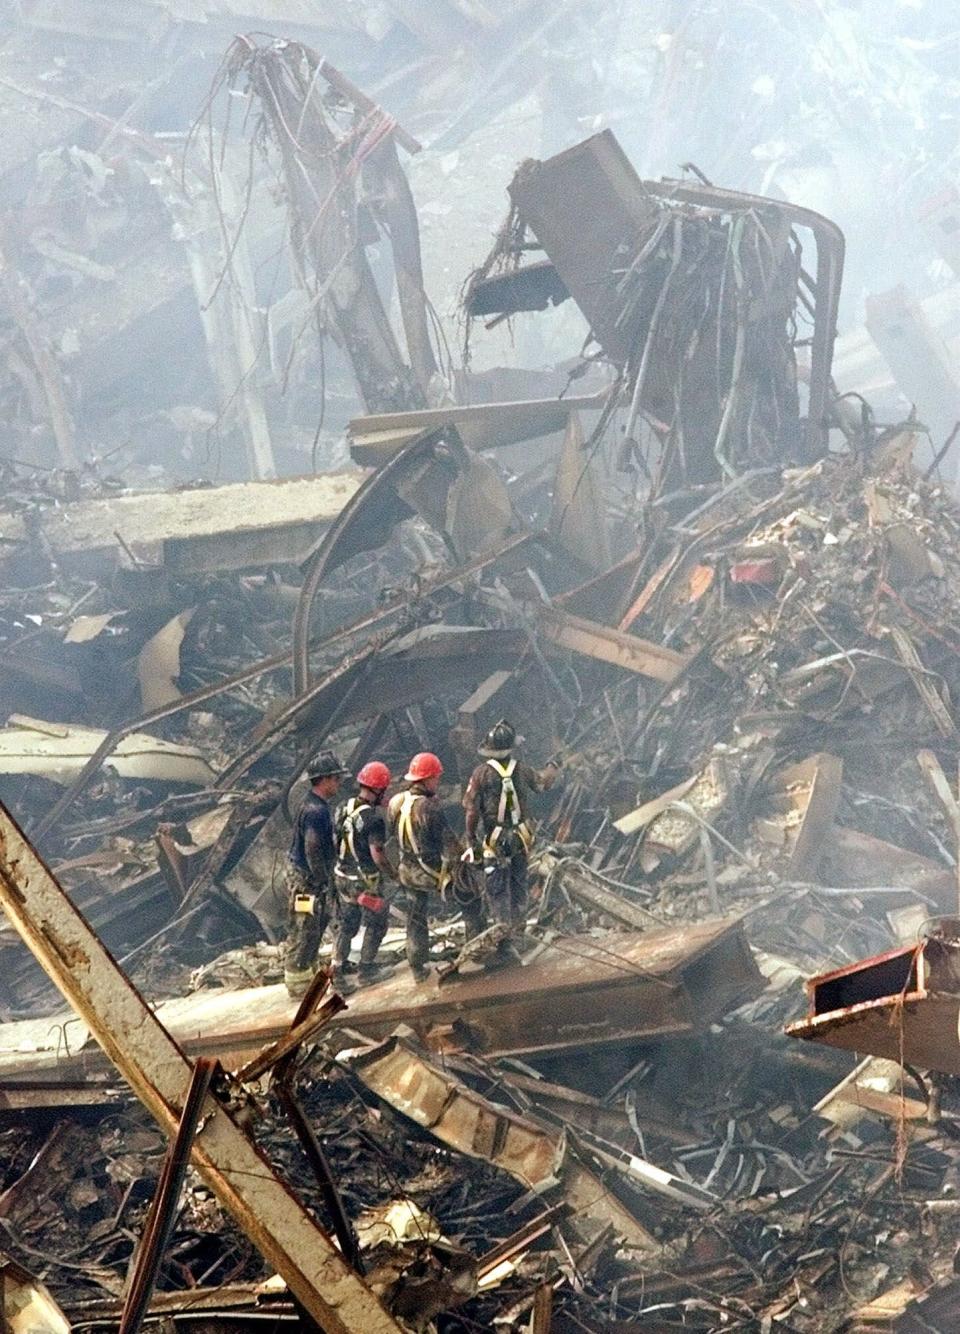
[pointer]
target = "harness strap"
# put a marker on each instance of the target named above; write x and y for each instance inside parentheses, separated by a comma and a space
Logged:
(347, 852)
(353, 809)
(508, 809)
(509, 815)
(522, 831)
(406, 836)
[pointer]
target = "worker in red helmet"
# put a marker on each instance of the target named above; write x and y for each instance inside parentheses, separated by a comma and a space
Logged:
(428, 847)
(499, 831)
(361, 833)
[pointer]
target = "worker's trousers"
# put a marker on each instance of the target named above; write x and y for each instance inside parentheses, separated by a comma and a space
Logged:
(353, 916)
(420, 889)
(420, 894)
(305, 929)
(506, 882)
(467, 893)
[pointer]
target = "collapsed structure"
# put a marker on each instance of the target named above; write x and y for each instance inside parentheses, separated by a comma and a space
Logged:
(727, 599)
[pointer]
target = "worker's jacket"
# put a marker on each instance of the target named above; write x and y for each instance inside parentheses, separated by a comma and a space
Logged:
(312, 850)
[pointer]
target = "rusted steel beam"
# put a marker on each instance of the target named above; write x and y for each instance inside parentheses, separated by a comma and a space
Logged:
(348, 89)
(580, 992)
(541, 1320)
(157, 1070)
(286, 1046)
(282, 1058)
(608, 645)
(315, 1156)
(163, 1206)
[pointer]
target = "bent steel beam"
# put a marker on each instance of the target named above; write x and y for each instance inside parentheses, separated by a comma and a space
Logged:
(831, 252)
(160, 1074)
(368, 621)
(364, 523)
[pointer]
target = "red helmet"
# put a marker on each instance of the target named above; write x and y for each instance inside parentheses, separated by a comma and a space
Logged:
(423, 766)
(375, 775)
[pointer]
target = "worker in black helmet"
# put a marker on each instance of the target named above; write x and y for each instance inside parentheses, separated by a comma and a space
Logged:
(498, 829)
(308, 873)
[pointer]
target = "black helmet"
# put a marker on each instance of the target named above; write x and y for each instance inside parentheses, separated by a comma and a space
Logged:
(499, 741)
(324, 765)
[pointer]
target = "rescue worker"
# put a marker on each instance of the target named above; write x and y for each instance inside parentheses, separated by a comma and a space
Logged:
(428, 848)
(498, 830)
(361, 863)
(309, 873)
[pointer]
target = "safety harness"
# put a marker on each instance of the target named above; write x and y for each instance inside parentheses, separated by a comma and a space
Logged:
(349, 823)
(407, 838)
(509, 814)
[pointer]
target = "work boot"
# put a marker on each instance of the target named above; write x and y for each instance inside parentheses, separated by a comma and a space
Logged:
(297, 980)
(420, 974)
(344, 966)
(344, 979)
(371, 972)
(506, 953)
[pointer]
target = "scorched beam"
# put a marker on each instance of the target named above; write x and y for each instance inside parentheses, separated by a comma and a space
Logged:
(160, 1074)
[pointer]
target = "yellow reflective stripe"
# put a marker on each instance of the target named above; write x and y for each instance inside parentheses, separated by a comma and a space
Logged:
(343, 847)
(358, 808)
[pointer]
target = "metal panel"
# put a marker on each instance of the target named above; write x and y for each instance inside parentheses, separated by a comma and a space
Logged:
(461, 1118)
(903, 1005)
(587, 207)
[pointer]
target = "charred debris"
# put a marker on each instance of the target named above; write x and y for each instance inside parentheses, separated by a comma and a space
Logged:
(720, 588)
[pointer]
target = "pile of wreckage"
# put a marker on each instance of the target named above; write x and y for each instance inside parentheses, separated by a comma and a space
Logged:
(729, 602)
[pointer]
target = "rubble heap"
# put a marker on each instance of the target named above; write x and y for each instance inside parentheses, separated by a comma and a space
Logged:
(726, 603)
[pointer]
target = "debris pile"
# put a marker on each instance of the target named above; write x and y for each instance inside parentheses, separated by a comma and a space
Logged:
(720, 601)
